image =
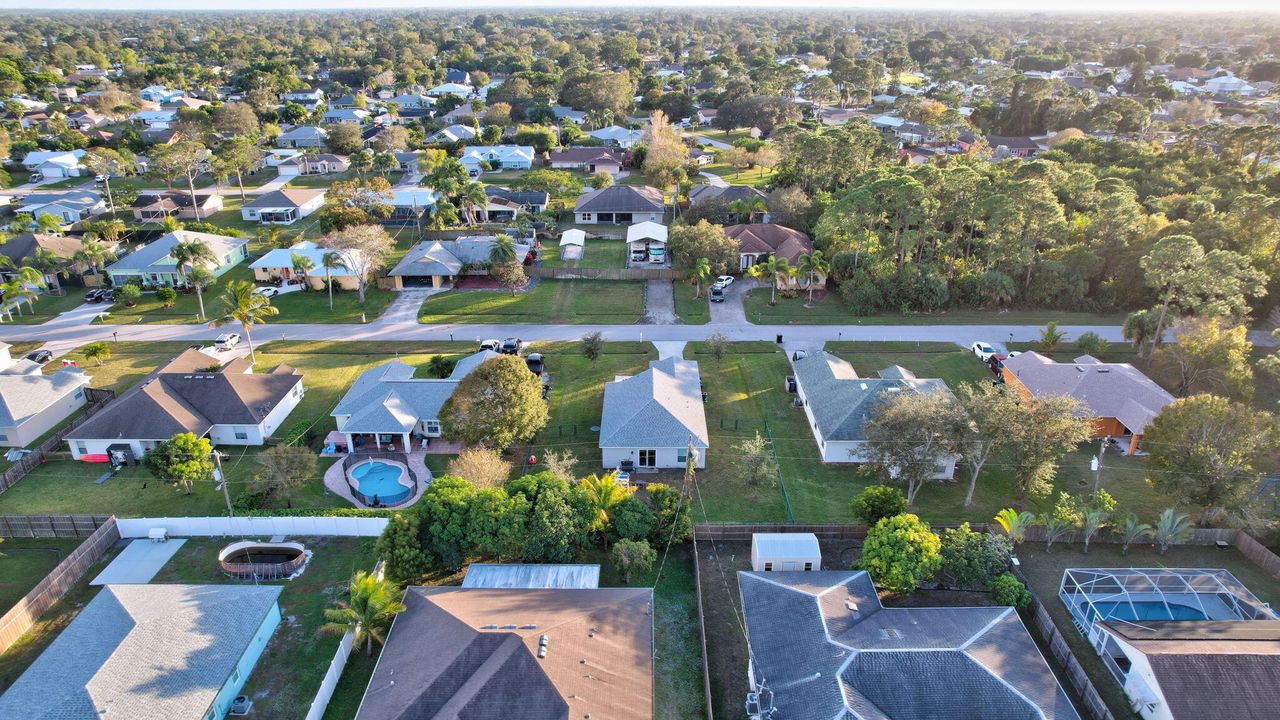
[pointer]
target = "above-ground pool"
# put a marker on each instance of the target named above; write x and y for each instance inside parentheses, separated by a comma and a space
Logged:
(381, 483)
(262, 560)
(1138, 611)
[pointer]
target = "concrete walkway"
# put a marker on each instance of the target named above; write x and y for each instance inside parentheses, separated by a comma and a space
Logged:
(714, 180)
(138, 563)
(659, 303)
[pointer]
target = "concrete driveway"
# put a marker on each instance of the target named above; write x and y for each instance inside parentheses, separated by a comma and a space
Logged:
(659, 303)
(138, 563)
(732, 311)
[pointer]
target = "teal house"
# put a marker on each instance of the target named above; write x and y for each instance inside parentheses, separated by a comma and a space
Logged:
(152, 265)
(150, 652)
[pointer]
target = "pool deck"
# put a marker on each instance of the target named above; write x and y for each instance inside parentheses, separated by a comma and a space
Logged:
(336, 482)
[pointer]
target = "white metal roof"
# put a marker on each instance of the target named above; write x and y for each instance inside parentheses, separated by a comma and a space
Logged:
(786, 544)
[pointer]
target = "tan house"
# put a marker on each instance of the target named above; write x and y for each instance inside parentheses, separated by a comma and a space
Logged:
(175, 204)
(759, 241)
(1117, 397)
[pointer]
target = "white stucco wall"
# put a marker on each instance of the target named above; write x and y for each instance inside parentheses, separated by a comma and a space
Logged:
(665, 457)
(45, 420)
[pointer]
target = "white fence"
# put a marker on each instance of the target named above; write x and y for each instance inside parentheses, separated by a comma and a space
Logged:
(253, 526)
(321, 702)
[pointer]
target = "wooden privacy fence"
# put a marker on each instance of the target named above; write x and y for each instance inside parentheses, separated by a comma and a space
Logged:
(1090, 700)
(824, 531)
(541, 271)
(19, 619)
(96, 400)
(52, 526)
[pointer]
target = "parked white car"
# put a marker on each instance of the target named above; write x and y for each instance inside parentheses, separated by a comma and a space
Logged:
(226, 341)
(493, 345)
(984, 351)
(272, 290)
(723, 282)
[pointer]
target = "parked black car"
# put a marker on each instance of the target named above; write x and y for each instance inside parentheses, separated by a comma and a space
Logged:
(40, 356)
(534, 363)
(96, 295)
(717, 294)
(510, 346)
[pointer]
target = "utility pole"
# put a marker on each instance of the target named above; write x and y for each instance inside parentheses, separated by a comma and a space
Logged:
(217, 475)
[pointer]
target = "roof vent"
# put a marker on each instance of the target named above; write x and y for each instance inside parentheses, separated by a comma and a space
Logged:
(542, 641)
(1103, 369)
(851, 606)
(863, 385)
(488, 627)
(509, 627)
(890, 634)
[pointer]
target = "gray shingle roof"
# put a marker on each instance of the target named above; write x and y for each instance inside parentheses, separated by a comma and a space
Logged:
(621, 198)
(388, 399)
(144, 652)
(291, 197)
(841, 402)
(24, 395)
(1117, 390)
(658, 408)
(826, 648)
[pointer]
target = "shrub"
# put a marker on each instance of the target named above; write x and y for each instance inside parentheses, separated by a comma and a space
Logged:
(900, 552)
(166, 296)
(482, 467)
(297, 434)
(400, 547)
(631, 519)
(633, 556)
(1009, 590)
(971, 559)
(1092, 343)
(877, 502)
(128, 294)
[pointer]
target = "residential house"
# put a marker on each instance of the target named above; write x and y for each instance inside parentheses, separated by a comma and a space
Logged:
(837, 404)
(413, 101)
(32, 403)
(179, 652)
(727, 194)
(564, 112)
(87, 119)
(388, 407)
(186, 102)
(527, 200)
(351, 115)
(53, 164)
(706, 116)
(21, 248)
(531, 576)
(277, 264)
(154, 119)
(758, 241)
(615, 136)
(152, 265)
(346, 101)
(282, 207)
(516, 653)
(309, 98)
(1010, 146)
(453, 134)
(464, 114)
(620, 205)
(175, 204)
(451, 88)
(454, 75)
(651, 419)
(477, 158)
(589, 160)
(69, 206)
(159, 94)
(822, 646)
(407, 161)
(410, 207)
(321, 164)
(1119, 400)
(230, 405)
(435, 263)
(303, 136)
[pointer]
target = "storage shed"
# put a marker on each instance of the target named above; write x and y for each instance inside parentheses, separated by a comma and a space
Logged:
(786, 552)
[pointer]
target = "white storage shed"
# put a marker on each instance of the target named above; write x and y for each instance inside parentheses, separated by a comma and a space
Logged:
(785, 552)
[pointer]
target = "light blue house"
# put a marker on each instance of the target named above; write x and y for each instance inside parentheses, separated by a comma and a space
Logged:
(153, 264)
(179, 652)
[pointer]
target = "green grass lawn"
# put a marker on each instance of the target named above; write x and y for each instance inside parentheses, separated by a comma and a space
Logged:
(15, 660)
(129, 362)
(597, 253)
(724, 136)
(692, 311)
(754, 177)
(25, 561)
(577, 397)
(1044, 570)
(745, 394)
(67, 183)
(291, 668)
(550, 302)
(830, 310)
(46, 307)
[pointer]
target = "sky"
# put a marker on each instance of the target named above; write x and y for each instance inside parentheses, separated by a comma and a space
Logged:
(1159, 7)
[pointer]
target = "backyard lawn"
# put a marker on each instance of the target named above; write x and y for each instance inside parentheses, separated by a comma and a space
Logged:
(547, 302)
(1044, 570)
(692, 311)
(25, 561)
(46, 307)
(754, 177)
(829, 310)
(598, 253)
(291, 668)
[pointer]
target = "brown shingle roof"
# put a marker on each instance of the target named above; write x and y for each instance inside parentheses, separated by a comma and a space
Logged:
(21, 247)
(481, 661)
(621, 198)
(1107, 390)
(171, 200)
(772, 238)
(584, 154)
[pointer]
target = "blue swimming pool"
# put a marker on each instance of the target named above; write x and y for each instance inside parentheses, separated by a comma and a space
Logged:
(380, 482)
(1146, 610)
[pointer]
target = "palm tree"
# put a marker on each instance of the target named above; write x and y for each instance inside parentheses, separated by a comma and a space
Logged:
(268, 235)
(503, 251)
(241, 305)
(1133, 530)
(301, 266)
(772, 268)
(16, 291)
(813, 264)
(361, 162)
(47, 223)
(443, 215)
(199, 278)
(603, 493)
(331, 261)
(1172, 527)
(110, 230)
(29, 277)
(473, 196)
(699, 272)
(370, 607)
(50, 266)
(1055, 528)
(93, 254)
(1092, 521)
(1015, 523)
(1050, 337)
(745, 208)
(187, 254)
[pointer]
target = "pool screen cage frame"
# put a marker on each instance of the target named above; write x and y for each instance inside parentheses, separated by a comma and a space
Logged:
(1082, 588)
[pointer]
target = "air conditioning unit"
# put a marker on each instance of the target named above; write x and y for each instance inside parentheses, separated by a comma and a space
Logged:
(241, 705)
